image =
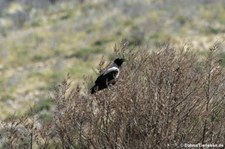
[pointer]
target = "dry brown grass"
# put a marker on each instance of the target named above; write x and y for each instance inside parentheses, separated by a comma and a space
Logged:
(161, 100)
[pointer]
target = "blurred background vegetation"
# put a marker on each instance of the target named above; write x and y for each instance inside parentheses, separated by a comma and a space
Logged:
(43, 40)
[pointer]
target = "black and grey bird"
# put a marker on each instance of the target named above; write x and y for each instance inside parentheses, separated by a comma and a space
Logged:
(108, 77)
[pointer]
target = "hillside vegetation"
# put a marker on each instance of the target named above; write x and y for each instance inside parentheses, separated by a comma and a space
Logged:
(171, 85)
(41, 42)
(162, 99)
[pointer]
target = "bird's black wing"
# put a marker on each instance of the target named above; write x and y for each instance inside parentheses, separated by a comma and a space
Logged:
(107, 76)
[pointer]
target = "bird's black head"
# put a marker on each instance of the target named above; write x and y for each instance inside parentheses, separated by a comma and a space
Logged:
(119, 61)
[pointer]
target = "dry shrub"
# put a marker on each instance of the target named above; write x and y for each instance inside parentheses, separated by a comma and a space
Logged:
(162, 99)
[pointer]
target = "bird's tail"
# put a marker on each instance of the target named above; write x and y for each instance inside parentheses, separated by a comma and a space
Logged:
(94, 89)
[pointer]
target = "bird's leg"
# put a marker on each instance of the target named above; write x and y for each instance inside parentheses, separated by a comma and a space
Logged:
(108, 84)
(111, 86)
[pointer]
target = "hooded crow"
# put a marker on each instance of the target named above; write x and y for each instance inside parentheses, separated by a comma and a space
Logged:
(108, 77)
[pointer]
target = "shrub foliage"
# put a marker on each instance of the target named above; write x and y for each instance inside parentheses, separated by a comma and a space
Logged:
(162, 99)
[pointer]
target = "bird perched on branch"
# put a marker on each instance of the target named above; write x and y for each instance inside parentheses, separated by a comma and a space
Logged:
(108, 77)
